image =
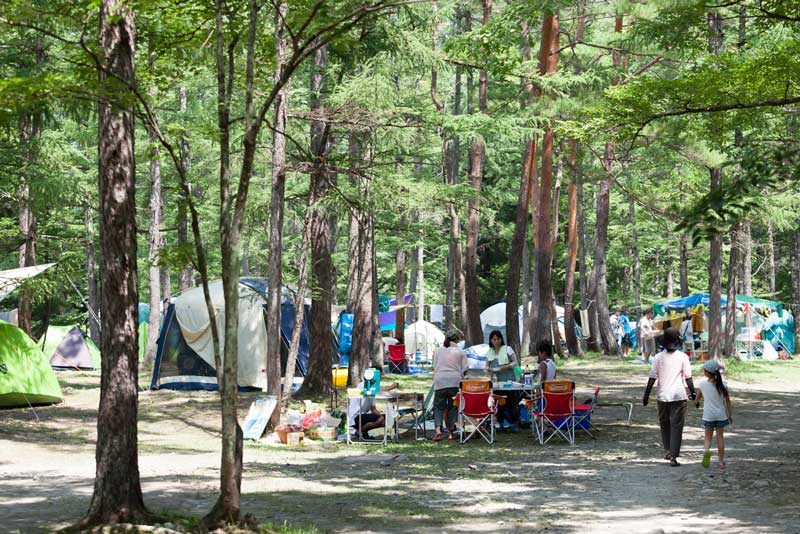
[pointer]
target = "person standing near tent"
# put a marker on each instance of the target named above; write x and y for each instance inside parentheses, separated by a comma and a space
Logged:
(449, 366)
(673, 374)
(646, 331)
(502, 362)
(628, 331)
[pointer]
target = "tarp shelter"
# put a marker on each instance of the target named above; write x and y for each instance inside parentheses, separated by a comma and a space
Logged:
(389, 318)
(185, 357)
(424, 337)
(779, 330)
(767, 318)
(68, 347)
(13, 278)
(494, 318)
(25, 375)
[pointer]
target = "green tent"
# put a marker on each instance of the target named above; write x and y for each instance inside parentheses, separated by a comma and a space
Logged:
(68, 347)
(25, 373)
(69, 341)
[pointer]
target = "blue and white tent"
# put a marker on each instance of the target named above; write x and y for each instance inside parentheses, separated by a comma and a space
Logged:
(185, 357)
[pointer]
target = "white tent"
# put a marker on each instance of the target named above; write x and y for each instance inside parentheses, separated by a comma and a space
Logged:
(423, 336)
(12, 278)
(494, 318)
(192, 316)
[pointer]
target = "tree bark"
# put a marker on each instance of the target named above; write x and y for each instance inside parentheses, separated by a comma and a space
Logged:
(361, 277)
(318, 380)
(600, 251)
(515, 259)
(117, 493)
(541, 313)
(276, 210)
(771, 259)
(715, 282)
(186, 275)
(794, 246)
(400, 296)
(30, 135)
(299, 306)
(637, 270)
(155, 244)
(474, 330)
(93, 295)
(684, 267)
(716, 40)
(730, 309)
(573, 347)
(745, 244)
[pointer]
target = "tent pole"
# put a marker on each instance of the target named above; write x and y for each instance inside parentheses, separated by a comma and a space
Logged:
(85, 303)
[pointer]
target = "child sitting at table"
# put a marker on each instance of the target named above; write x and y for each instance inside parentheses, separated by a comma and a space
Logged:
(364, 414)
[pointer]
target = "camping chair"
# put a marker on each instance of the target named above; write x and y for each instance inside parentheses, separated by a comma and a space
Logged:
(583, 414)
(557, 412)
(397, 359)
(417, 418)
(478, 407)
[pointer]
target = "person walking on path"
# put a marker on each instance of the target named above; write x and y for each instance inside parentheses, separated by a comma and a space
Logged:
(672, 373)
(717, 410)
(449, 365)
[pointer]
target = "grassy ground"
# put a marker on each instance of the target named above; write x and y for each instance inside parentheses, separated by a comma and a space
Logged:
(616, 482)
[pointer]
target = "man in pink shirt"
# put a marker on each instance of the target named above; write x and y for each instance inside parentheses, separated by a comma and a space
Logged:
(672, 373)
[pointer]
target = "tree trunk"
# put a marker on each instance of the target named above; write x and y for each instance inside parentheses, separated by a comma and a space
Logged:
(318, 380)
(400, 296)
(771, 259)
(186, 275)
(525, 335)
(30, 135)
(716, 39)
(745, 244)
(515, 259)
(92, 296)
(573, 347)
(299, 306)
(715, 282)
(637, 271)
(276, 210)
(541, 327)
(684, 267)
(155, 244)
(582, 256)
(361, 276)
(117, 496)
(730, 309)
(794, 246)
(600, 251)
(669, 279)
(474, 330)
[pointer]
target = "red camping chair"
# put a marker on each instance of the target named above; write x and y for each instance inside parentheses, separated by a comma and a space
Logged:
(583, 414)
(478, 407)
(397, 359)
(557, 414)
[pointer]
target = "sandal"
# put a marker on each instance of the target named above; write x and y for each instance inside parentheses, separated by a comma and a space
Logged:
(722, 464)
(668, 456)
(706, 459)
(673, 462)
(451, 436)
(437, 436)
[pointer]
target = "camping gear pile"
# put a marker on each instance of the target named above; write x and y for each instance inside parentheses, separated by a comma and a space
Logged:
(757, 320)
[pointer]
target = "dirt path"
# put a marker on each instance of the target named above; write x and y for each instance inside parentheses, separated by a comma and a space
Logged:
(614, 483)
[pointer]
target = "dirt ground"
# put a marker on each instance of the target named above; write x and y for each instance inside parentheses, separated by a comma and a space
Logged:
(616, 483)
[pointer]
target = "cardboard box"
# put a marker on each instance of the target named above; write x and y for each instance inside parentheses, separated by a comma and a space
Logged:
(295, 439)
